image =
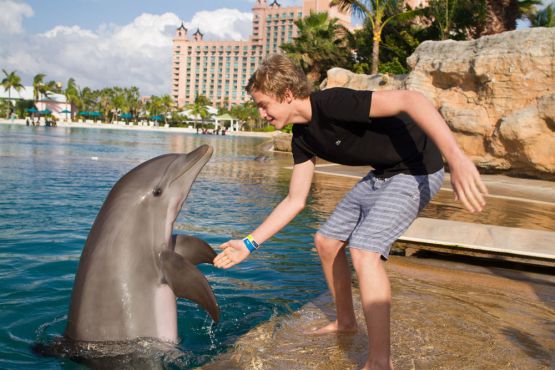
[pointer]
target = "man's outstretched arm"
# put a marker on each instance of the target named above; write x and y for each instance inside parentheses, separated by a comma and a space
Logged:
(235, 251)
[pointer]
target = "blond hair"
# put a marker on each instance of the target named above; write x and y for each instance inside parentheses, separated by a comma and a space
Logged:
(276, 75)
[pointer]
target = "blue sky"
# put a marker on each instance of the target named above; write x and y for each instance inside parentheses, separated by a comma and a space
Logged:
(103, 43)
(92, 13)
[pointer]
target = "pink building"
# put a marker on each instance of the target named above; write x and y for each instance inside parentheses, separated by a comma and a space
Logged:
(220, 70)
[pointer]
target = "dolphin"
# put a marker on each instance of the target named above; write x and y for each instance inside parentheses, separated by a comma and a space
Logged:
(132, 267)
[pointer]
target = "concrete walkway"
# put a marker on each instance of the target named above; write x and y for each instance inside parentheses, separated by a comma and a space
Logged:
(488, 241)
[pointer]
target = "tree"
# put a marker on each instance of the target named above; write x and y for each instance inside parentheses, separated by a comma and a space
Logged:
(199, 107)
(167, 105)
(544, 18)
(321, 43)
(72, 94)
(503, 14)
(11, 81)
(248, 113)
(105, 102)
(133, 102)
(38, 86)
(457, 19)
(399, 40)
(379, 13)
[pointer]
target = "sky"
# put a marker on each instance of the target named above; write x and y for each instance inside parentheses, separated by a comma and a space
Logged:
(103, 43)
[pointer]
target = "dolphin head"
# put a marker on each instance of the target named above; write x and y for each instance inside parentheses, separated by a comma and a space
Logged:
(157, 188)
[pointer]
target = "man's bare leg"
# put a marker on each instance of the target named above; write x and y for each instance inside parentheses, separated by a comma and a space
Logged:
(338, 276)
(375, 293)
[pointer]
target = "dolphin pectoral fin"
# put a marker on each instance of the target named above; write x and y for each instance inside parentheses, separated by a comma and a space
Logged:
(188, 282)
(193, 249)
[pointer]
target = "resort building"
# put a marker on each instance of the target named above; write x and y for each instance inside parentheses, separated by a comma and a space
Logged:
(57, 104)
(220, 70)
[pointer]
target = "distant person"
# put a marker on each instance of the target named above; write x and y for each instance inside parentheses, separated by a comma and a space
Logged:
(398, 133)
(27, 121)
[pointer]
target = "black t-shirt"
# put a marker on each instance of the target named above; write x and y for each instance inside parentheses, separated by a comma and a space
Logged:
(342, 132)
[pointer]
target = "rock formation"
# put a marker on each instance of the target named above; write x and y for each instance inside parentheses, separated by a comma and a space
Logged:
(497, 94)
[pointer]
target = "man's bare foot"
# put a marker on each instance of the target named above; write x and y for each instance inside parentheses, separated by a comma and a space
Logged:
(332, 328)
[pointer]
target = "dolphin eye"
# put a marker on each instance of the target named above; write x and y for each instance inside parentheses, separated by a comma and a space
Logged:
(157, 192)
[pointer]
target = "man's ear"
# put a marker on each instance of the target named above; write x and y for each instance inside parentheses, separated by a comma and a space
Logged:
(288, 96)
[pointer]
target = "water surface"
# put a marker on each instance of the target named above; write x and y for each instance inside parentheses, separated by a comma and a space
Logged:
(53, 181)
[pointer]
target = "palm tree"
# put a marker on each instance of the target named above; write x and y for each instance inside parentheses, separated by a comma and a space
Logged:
(38, 86)
(378, 13)
(73, 95)
(503, 14)
(248, 113)
(11, 81)
(133, 102)
(198, 108)
(167, 105)
(105, 102)
(544, 18)
(321, 44)
(458, 19)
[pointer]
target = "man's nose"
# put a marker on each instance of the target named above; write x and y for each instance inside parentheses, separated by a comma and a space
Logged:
(262, 113)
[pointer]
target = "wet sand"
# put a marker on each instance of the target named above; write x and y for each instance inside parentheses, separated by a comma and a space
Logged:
(445, 315)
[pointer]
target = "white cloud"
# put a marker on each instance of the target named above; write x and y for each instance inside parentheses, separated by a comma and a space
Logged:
(221, 24)
(136, 54)
(12, 13)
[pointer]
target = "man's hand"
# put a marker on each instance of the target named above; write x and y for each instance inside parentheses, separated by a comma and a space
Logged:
(234, 251)
(467, 185)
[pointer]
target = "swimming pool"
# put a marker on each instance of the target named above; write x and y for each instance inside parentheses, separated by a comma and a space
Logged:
(53, 183)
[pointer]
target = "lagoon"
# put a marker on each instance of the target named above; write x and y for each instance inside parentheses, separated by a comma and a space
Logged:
(54, 180)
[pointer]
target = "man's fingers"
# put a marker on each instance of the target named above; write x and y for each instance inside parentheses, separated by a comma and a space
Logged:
(220, 258)
(224, 245)
(473, 196)
(482, 187)
(461, 195)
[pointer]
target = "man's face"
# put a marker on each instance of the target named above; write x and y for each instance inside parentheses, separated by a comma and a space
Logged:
(272, 110)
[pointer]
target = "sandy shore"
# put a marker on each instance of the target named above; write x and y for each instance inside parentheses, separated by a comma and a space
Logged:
(141, 128)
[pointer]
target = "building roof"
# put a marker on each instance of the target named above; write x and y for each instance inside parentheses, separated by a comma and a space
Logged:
(198, 33)
(26, 93)
(225, 117)
(182, 27)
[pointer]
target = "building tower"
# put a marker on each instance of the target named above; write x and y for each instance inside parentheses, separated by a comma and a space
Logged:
(220, 70)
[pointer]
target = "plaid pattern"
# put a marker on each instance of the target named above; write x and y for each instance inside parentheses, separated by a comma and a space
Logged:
(378, 211)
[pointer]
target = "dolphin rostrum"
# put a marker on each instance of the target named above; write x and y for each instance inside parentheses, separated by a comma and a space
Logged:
(132, 267)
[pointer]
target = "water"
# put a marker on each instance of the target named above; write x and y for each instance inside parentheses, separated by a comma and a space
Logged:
(54, 180)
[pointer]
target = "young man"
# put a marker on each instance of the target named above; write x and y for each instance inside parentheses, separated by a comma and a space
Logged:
(389, 130)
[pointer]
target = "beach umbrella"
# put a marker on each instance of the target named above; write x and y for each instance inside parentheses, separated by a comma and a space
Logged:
(156, 118)
(66, 112)
(45, 111)
(84, 114)
(126, 116)
(32, 110)
(95, 114)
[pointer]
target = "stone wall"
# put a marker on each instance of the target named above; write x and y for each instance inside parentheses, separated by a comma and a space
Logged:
(497, 94)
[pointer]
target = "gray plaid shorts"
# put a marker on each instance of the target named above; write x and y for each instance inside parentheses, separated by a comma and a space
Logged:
(377, 211)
